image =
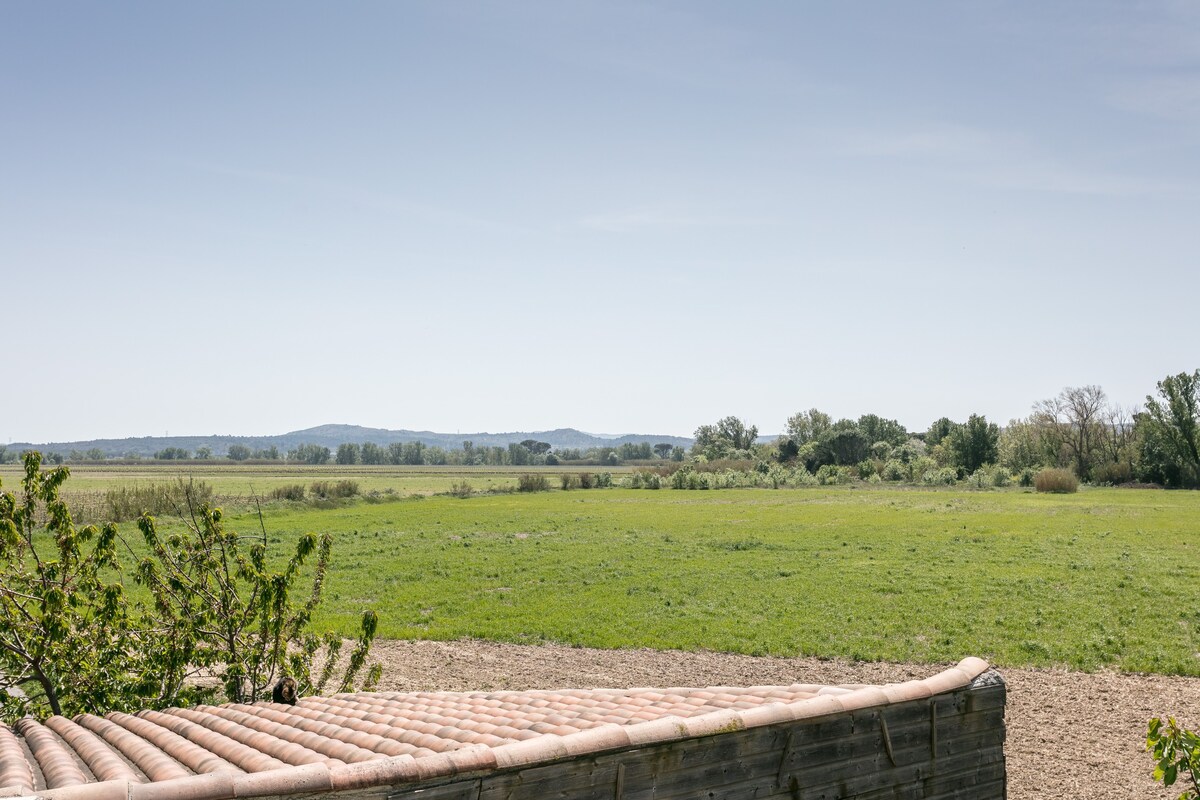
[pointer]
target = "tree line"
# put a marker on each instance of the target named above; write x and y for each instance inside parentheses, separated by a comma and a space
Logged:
(1079, 429)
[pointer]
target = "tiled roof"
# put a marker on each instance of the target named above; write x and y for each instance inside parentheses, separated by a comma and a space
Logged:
(350, 741)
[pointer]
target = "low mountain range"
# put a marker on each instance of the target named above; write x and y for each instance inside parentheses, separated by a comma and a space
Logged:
(332, 435)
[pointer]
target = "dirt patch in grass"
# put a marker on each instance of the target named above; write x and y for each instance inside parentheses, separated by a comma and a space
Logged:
(1070, 734)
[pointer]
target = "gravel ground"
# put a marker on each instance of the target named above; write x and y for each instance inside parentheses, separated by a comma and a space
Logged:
(1070, 734)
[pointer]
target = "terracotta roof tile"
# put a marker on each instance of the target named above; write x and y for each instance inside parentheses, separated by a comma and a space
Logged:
(105, 764)
(352, 741)
(53, 758)
(14, 769)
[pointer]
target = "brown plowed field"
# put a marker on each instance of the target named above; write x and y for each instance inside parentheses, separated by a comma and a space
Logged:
(1070, 734)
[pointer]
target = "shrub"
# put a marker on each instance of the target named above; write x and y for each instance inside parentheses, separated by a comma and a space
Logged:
(1056, 481)
(1027, 476)
(569, 481)
(461, 489)
(894, 470)
(375, 497)
(946, 476)
(679, 478)
(989, 476)
(603, 480)
(866, 469)
(644, 480)
(130, 502)
(1114, 473)
(294, 492)
(329, 490)
(533, 483)
(829, 474)
(586, 481)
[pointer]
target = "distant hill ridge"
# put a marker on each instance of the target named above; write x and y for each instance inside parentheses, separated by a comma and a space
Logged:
(332, 435)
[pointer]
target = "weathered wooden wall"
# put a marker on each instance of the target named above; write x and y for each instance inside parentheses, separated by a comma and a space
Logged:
(949, 747)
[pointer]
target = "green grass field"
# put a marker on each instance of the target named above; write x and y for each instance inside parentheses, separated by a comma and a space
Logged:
(1102, 578)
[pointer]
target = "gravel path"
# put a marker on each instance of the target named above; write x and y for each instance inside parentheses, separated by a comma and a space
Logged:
(1070, 734)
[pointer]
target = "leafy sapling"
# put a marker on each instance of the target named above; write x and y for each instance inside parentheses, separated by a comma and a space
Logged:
(1176, 753)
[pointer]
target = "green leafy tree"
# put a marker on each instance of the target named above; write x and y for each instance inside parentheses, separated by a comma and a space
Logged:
(310, 454)
(518, 455)
(348, 453)
(220, 604)
(1176, 752)
(938, 431)
(841, 445)
(729, 438)
(238, 452)
(663, 450)
(536, 447)
(807, 426)
(635, 451)
(1172, 426)
(786, 449)
(1019, 447)
(412, 453)
(372, 453)
(878, 429)
(64, 626)
(973, 444)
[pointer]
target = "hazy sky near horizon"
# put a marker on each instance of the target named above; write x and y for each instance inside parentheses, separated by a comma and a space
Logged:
(249, 218)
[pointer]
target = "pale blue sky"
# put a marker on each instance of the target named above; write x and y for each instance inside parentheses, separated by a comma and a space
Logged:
(230, 217)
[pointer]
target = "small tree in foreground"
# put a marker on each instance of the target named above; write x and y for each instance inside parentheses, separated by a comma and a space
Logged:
(1176, 752)
(64, 627)
(220, 602)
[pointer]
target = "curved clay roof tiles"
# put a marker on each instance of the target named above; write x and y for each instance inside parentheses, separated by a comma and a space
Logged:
(14, 769)
(353, 741)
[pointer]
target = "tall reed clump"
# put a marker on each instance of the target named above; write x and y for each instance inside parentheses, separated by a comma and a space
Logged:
(324, 490)
(294, 492)
(1056, 481)
(157, 499)
(533, 483)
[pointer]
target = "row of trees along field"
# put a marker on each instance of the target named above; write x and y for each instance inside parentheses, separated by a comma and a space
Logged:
(518, 454)
(1079, 429)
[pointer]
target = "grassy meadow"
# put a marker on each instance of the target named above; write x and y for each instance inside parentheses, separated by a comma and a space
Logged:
(236, 484)
(1102, 578)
